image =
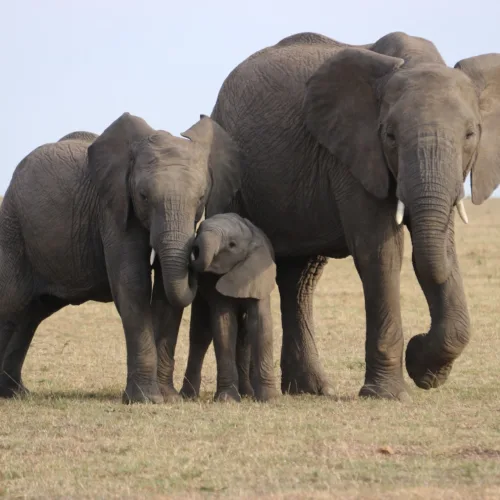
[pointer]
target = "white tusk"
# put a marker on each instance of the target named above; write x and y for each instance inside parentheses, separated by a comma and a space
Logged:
(400, 211)
(461, 211)
(153, 255)
(192, 257)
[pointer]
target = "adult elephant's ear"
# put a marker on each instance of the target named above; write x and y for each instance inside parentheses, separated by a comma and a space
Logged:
(110, 159)
(223, 157)
(484, 71)
(341, 110)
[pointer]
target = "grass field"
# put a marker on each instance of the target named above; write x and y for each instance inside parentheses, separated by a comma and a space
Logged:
(73, 437)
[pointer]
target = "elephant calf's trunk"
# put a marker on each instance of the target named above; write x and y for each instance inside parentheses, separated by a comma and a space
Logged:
(205, 246)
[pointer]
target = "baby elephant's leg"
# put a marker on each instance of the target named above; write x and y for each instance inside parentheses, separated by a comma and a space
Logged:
(225, 330)
(260, 330)
(243, 358)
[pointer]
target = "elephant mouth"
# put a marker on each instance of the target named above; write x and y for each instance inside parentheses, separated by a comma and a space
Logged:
(195, 253)
(401, 211)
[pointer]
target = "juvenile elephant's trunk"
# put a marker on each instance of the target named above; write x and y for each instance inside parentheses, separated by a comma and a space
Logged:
(205, 246)
(174, 247)
(180, 283)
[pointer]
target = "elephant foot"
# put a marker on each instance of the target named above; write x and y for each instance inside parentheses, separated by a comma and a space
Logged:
(170, 395)
(227, 396)
(305, 382)
(245, 389)
(10, 388)
(135, 393)
(190, 390)
(385, 390)
(422, 366)
(266, 393)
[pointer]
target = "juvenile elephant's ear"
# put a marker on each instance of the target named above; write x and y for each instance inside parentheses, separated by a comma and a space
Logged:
(223, 162)
(110, 159)
(484, 71)
(255, 277)
(341, 111)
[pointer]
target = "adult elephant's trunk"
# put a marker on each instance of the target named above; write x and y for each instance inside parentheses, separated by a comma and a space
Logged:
(204, 249)
(430, 185)
(430, 218)
(173, 247)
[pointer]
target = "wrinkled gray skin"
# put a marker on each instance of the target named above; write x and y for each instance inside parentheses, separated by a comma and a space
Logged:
(238, 273)
(333, 136)
(78, 223)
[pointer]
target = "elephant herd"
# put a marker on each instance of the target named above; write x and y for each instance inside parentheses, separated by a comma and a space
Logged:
(315, 149)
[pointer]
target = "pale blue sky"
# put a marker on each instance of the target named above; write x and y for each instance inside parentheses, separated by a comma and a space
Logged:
(77, 65)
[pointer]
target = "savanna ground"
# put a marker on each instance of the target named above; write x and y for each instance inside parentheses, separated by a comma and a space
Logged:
(73, 437)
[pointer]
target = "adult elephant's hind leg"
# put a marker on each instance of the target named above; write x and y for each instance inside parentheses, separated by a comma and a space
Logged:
(8, 386)
(301, 370)
(23, 330)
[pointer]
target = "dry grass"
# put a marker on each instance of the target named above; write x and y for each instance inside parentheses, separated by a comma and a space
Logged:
(73, 437)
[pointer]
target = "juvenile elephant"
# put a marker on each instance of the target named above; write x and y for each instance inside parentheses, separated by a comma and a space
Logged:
(344, 143)
(78, 223)
(236, 262)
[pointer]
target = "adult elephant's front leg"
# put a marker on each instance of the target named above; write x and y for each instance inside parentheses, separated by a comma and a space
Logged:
(301, 370)
(166, 321)
(200, 338)
(378, 259)
(430, 357)
(130, 279)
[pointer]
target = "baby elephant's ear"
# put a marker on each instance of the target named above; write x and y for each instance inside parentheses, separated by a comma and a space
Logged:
(254, 277)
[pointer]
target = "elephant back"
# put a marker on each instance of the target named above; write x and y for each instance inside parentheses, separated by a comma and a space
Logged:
(80, 135)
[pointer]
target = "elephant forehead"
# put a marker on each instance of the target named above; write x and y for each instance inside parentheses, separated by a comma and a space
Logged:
(164, 148)
(230, 224)
(427, 80)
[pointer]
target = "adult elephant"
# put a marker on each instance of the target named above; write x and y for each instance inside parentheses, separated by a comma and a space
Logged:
(78, 223)
(343, 143)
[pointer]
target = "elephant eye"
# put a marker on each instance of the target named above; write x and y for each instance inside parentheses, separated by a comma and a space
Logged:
(232, 244)
(143, 197)
(470, 134)
(391, 137)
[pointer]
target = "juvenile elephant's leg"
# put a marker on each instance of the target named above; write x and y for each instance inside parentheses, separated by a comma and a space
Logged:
(200, 337)
(430, 357)
(378, 262)
(130, 278)
(243, 358)
(260, 330)
(225, 330)
(166, 323)
(11, 383)
(301, 370)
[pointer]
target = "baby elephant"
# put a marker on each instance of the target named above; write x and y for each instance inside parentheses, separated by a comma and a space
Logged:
(238, 273)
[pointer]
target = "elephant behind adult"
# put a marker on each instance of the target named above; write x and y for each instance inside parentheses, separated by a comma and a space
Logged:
(333, 136)
(78, 223)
